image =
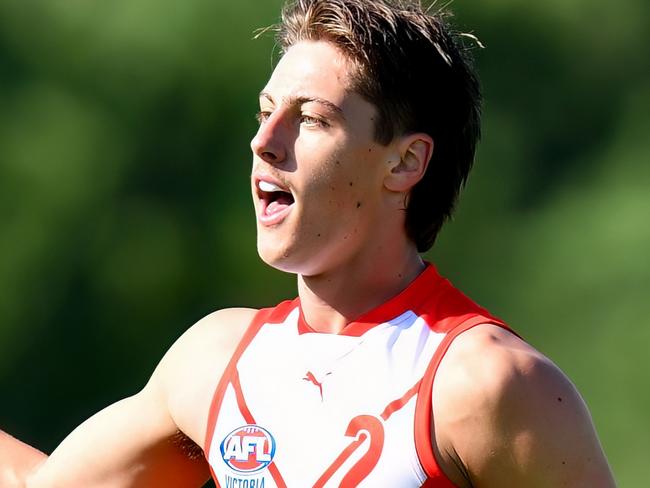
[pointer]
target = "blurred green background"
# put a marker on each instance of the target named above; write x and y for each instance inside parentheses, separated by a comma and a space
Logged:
(125, 212)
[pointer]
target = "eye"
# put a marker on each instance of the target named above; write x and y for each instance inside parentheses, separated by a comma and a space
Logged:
(262, 116)
(311, 121)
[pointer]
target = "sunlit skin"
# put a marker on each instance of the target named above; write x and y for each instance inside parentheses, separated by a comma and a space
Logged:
(316, 139)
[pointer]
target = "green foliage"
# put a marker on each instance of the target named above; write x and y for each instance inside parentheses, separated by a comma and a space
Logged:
(125, 213)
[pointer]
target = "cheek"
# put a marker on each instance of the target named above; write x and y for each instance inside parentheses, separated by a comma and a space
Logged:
(335, 186)
(341, 193)
(339, 176)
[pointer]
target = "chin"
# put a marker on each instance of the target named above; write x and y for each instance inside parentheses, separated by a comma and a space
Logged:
(285, 259)
(275, 256)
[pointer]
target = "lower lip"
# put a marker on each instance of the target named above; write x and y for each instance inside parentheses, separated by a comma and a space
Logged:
(269, 220)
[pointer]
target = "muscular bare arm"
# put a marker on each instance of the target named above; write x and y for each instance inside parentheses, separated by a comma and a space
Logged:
(17, 460)
(137, 442)
(508, 417)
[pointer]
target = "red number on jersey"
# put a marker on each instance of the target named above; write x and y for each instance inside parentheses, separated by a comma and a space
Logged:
(361, 428)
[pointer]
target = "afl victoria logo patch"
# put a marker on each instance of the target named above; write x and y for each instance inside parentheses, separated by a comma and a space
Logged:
(248, 449)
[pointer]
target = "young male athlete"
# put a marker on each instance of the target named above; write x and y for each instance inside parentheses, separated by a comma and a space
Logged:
(381, 373)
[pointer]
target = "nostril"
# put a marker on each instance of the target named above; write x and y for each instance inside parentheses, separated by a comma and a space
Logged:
(269, 156)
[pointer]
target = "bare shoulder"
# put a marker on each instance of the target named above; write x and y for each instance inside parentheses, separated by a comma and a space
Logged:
(189, 372)
(506, 415)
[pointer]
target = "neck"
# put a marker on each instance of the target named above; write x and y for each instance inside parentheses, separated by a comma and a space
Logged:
(333, 299)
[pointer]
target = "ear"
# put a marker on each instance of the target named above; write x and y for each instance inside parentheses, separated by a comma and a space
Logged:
(415, 152)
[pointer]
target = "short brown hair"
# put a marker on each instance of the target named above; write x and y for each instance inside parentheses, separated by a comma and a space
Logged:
(415, 70)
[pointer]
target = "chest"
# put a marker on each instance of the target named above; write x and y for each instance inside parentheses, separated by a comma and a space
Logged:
(324, 410)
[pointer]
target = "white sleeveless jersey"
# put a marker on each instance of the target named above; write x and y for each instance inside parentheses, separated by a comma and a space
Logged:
(296, 408)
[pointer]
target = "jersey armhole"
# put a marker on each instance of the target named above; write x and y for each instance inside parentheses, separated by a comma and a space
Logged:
(423, 408)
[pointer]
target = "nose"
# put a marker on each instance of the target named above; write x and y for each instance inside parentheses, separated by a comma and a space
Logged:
(270, 141)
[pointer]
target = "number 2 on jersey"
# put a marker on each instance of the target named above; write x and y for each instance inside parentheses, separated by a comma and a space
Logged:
(361, 428)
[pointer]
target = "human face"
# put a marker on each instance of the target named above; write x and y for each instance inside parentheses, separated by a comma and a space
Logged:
(317, 171)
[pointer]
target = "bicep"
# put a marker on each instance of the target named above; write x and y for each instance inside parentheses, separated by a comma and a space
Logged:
(541, 434)
(511, 418)
(17, 460)
(131, 443)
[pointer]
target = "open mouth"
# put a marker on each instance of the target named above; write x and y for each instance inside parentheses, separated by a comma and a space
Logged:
(276, 201)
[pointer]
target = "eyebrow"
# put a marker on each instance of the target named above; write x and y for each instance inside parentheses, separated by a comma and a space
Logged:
(299, 100)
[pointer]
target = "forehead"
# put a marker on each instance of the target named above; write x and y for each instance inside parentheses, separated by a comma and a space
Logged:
(315, 68)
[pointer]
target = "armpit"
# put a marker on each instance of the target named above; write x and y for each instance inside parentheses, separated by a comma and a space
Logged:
(187, 445)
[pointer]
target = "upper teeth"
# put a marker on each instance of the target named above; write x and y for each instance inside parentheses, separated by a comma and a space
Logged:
(267, 186)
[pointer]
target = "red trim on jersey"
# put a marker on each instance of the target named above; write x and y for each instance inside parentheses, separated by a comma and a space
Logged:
(217, 399)
(263, 316)
(241, 401)
(248, 416)
(413, 295)
(396, 405)
(424, 410)
(279, 313)
(450, 312)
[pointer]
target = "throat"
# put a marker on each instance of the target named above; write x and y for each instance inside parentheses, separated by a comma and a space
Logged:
(331, 301)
